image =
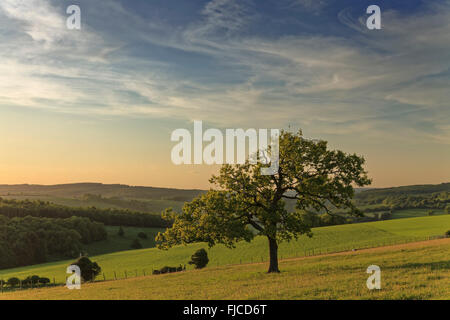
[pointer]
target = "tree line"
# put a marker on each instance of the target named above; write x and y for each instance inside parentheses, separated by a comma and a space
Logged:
(113, 217)
(437, 200)
(31, 240)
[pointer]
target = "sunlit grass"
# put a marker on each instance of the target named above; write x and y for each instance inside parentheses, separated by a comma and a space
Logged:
(412, 271)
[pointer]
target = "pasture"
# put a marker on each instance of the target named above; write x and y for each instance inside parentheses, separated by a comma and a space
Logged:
(325, 240)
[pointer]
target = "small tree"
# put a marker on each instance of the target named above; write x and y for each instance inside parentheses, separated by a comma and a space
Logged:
(89, 270)
(142, 235)
(121, 233)
(136, 244)
(447, 233)
(13, 282)
(199, 259)
(247, 203)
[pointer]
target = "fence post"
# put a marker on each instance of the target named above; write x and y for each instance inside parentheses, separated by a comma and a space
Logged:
(125, 274)
(143, 272)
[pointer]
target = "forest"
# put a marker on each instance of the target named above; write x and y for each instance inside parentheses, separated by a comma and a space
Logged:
(31, 240)
(112, 217)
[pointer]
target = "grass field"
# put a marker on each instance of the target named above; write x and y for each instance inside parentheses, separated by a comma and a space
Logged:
(325, 240)
(408, 271)
(410, 213)
(116, 243)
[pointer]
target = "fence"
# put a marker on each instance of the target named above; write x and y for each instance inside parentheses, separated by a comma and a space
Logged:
(127, 274)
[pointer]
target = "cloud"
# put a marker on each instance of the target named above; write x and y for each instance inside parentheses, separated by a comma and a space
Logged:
(219, 69)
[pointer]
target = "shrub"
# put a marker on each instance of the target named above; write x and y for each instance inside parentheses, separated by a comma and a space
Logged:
(13, 282)
(430, 212)
(121, 233)
(447, 234)
(167, 269)
(142, 235)
(136, 244)
(89, 269)
(199, 259)
(44, 280)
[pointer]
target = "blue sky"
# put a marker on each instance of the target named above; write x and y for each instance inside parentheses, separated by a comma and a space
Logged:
(142, 68)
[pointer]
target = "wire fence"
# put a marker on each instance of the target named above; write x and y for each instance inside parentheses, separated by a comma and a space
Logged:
(286, 254)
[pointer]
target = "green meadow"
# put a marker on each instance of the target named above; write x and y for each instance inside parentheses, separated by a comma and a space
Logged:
(339, 238)
(410, 271)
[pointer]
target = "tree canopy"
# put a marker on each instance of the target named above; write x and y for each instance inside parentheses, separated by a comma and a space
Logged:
(246, 203)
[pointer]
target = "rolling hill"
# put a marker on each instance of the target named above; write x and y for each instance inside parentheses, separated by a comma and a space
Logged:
(325, 240)
(409, 271)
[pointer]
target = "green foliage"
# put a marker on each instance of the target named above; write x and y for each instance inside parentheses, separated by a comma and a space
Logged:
(142, 235)
(430, 212)
(114, 217)
(121, 233)
(447, 233)
(44, 280)
(199, 259)
(136, 244)
(13, 282)
(31, 240)
(89, 269)
(309, 173)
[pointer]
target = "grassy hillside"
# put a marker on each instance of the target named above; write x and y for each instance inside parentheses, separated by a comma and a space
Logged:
(106, 190)
(117, 243)
(325, 239)
(404, 190)
(148, 206)
(103, 196)
(411, 271)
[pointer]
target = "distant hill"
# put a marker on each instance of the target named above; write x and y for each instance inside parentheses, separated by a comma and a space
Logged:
(414, 190)
(77, 190)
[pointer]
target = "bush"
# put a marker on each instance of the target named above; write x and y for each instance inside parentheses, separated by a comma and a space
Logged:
(167, 269)
(430, 212)
(142, 235)
(447, 234)
(199, 259)
(44, 280)
(89, 269)
(13, 282)
(136, 244)
(121, 233)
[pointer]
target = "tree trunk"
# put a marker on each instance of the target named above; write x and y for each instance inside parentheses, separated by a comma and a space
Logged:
(273, 254)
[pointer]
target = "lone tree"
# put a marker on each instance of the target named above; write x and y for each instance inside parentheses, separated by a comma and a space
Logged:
(89, 270)
(247, 203)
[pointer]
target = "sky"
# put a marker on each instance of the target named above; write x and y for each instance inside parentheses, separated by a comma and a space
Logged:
(99, 104)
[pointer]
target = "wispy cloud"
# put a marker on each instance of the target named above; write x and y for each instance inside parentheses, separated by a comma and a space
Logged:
(219, 68)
